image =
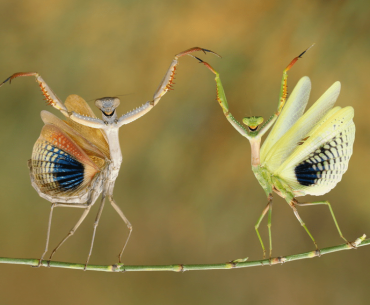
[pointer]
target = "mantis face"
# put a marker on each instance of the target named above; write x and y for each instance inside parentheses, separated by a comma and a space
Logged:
(107, 106)
(253, 122)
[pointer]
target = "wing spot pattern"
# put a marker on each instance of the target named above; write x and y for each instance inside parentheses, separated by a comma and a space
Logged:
(55, 170)
(326, 165)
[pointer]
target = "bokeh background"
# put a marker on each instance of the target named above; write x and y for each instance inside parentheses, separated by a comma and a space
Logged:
(185, 184)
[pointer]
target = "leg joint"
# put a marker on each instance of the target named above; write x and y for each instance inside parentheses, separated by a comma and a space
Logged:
(293, 202)
(269, 197)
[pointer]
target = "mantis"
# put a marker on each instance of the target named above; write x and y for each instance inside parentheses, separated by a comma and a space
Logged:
(75, 160)
(304, 154)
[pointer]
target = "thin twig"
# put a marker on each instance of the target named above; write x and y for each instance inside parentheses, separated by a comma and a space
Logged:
(238, 263)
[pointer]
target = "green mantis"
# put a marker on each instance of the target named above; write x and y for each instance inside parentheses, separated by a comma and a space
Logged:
(304, 154)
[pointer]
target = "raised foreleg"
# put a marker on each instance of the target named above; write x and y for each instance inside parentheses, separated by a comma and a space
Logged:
(49, 95)
(164, 86)
(221, 98)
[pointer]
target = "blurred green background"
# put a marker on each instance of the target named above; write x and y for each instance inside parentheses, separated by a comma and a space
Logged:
(185, 183)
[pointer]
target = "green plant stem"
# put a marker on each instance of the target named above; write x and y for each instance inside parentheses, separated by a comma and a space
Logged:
(239, 263)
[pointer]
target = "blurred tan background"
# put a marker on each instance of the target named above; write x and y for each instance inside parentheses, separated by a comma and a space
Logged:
(185, 184)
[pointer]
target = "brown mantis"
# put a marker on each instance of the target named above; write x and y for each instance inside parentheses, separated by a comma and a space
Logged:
(76, 160)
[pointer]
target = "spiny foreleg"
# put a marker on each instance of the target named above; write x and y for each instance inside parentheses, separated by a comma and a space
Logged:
(284, 81)
(221, 99)
(167, 81)
(50, 96)
(165, 85)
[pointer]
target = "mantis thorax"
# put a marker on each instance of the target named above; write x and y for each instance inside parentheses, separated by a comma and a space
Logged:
(264, 178)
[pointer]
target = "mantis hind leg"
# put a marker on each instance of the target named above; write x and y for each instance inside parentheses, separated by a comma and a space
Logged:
(268, 208)
(87, 206)
(269, 227)
(70, 233)
(303, 204)
(128, 224)
(292, 204)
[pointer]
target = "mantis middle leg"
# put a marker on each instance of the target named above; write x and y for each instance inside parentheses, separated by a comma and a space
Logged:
(268, 208)
(96, 223)
(71, 232)
(48, 234)
(87, 206)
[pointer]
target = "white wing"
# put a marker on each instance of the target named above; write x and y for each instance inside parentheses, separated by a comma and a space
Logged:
(287, 143)
(319, 163)
(291, 112)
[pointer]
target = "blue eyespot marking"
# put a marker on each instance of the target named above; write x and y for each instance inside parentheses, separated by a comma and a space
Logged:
(55, 170)
(325, 164)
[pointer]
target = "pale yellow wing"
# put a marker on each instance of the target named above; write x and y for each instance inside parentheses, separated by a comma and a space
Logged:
(287, 143)
(316, 166)
(93, 135)
(292, 111)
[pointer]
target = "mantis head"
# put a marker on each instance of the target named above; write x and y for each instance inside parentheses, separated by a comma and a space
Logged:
(107, 106)
(253, 122)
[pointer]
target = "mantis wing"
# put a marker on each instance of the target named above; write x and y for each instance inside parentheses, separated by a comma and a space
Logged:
(93, 135)
(59, 165)
(91, 150)
(287, 143)
(292, 111)
(319, 163)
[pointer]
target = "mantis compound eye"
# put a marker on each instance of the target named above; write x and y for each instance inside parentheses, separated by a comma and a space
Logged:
(253, 122)
(116, 102)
